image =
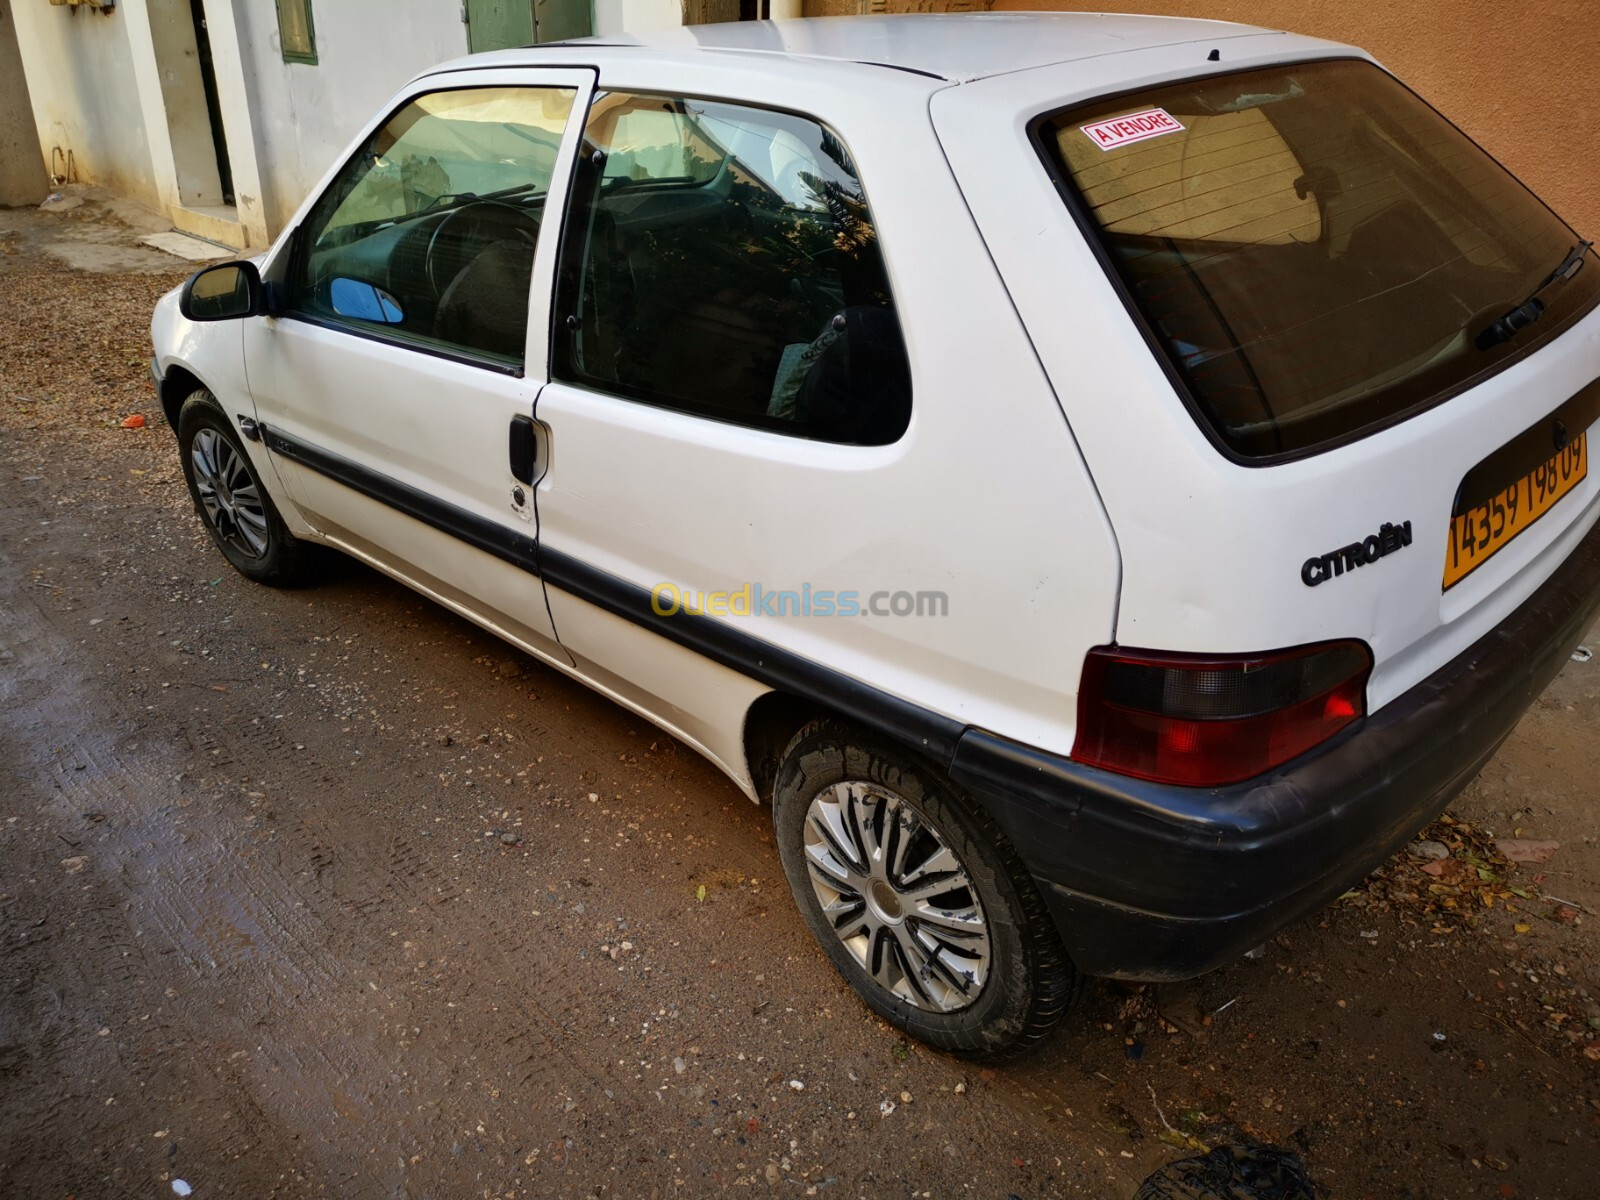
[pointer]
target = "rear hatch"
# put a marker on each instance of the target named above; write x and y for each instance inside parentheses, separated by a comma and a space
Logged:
(1332, 367)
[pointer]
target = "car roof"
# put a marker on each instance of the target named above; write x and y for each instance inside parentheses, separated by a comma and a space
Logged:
(959, 47)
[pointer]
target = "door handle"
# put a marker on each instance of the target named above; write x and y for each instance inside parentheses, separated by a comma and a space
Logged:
(523, 449)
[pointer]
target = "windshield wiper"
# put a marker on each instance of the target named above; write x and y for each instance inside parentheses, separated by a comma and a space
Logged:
(1508, 325)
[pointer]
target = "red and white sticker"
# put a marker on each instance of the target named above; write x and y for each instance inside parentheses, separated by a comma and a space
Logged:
(1135, 127)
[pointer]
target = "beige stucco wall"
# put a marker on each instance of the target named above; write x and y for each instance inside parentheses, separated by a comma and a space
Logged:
(122, 91)
(79, 70)
(1522, 79)
(22, 179)
(850, 8)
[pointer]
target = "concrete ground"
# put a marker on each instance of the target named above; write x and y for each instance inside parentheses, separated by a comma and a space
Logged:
(98, 232)
(328, 893)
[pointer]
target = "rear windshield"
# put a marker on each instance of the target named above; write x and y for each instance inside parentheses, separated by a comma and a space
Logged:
(1316, 250)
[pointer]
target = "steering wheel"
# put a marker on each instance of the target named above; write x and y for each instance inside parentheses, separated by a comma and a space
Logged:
(485, 214)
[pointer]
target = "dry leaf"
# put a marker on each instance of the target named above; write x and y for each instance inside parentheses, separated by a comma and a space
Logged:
(1527, 850)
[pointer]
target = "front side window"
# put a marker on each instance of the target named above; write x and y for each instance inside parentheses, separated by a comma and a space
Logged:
(427, 235)
(722, 260)
(1317, 252)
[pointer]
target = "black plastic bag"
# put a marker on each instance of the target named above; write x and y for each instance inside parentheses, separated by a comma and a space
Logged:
(1244, 1171)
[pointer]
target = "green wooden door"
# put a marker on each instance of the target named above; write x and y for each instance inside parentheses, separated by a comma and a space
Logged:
(499, 24)
(558, 19)
(502, 24)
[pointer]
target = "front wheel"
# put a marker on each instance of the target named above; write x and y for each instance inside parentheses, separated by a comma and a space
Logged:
(230, 500)
(917, 897)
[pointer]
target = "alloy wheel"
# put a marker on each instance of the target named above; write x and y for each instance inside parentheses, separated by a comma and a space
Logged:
(229, 495)
(897, 896)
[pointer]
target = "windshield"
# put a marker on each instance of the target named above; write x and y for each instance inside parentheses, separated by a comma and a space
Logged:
(1315, 249)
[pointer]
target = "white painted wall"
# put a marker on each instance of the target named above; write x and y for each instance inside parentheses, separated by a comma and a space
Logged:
(304, 116)
(120, 90)
(85, 97)
(636, 16)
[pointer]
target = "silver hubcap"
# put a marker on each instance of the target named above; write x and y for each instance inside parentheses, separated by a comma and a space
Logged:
(229, 495)
(897, 896)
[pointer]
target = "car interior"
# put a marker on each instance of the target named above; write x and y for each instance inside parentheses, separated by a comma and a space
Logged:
(718, 259)
(739, 289)
(458, 275)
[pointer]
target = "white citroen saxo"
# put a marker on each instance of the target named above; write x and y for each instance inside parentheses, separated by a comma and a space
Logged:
(1107, 481)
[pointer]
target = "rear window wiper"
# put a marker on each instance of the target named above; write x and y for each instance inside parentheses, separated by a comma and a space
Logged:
(1506, 326)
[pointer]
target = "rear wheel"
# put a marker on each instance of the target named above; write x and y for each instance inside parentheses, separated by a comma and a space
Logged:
(231, 501)
(916, 896)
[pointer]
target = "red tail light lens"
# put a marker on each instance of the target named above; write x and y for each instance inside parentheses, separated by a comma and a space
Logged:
(1203, 721)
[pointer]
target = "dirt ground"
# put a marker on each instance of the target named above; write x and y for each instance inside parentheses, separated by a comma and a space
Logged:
(328, 893)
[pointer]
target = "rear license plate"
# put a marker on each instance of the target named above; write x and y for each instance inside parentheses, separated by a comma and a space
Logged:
(1480, 533)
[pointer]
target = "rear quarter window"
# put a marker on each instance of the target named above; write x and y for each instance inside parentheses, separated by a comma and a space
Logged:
(721, 260)
(1315, 251)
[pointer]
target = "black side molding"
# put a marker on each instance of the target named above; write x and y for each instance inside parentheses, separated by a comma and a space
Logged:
(518, 549)
(910, 724)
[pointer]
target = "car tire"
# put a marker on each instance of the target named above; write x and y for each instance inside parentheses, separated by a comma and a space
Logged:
(916, 896)
(231, 501)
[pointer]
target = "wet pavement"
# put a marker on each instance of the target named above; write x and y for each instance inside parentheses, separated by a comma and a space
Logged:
(328, 893)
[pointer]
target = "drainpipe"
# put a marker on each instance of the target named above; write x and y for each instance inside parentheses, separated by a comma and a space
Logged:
(783, 10)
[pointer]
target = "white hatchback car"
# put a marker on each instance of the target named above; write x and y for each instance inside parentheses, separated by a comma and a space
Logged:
(1107, 480)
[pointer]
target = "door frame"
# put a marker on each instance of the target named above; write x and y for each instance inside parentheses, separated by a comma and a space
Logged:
(290, 455)
(208, 83)
(582, 78)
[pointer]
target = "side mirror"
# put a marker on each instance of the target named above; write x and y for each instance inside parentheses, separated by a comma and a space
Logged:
(364, 302)
(224, 292)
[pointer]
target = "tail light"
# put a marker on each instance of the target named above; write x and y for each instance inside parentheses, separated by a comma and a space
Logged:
(1201, 721)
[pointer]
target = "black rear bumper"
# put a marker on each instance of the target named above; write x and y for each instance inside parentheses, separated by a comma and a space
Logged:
(1153, 882)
